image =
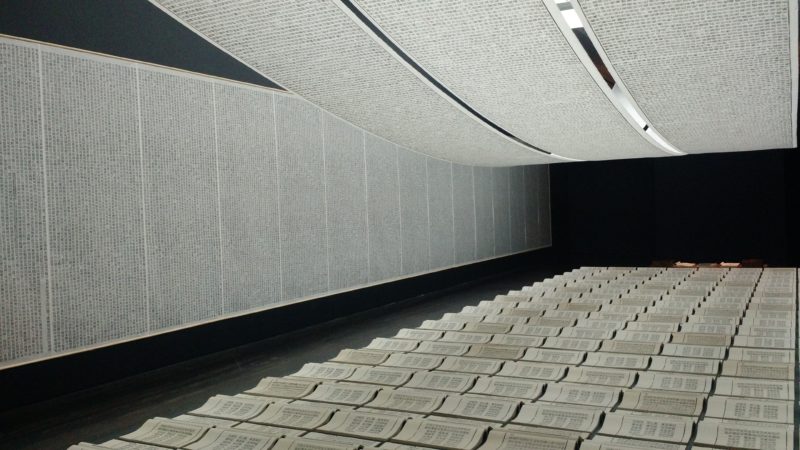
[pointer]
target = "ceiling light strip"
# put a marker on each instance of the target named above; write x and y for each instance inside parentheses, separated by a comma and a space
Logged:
(362, 19)
(573, 24)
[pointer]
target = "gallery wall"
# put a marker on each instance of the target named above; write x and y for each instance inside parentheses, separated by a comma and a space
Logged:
(138, 199)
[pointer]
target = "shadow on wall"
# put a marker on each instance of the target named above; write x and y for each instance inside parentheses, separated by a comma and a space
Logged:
(702, 208)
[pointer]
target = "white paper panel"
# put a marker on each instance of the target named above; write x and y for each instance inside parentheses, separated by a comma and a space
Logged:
(302, 194)
(710, 76)
(440, 205)
(501, 184)
(248, 197)
(414, 211)
(314, 49)
(180, 198)
(120, 208)
(383, 209)
(484, 213)
(533, 229)
(464, 213)
(517, 209)
(510, 62)
(23, 274)
(346, 193)
(94, 190)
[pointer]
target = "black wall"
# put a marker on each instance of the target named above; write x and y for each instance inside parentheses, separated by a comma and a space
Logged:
(701, 208)
(134, 29)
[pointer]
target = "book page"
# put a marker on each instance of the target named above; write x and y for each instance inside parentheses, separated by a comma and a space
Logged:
(600, 442)
(761, 355)
(755, 410)
(389, 376)
(685, 365)
(441, 434)
(533, 370)
(763, 342)
(763, 370)
(714, 320)
(658, 427)
(283, 387)
(306, 416)
(517, 340)
(617, 360)
(508, 387)
(640, 348)
(601, 376)
(485, 310)
(231, 408)
(467, 338)
(657, 317)
(346, 394)
(772, 323)
(601, 324)
(554, 356)
(739, 434)
(442, 325)
(269, 429)
(324, 371)
(298, 443)
(419, 335)
(744, 387)
(616, 316)
(442, 348)
(535, 330)
(470, 365)
(405, 399)
(675, 382)
(123, 445)
(233, 439)
(550, 415)
(167, 433)
(513, 318)
(341, 439)
(393, 345)
(363, 356)
(572, 344)
(582, 394)
(709, 328)
(495, 351)
(479, 407)
(553, 321)
(414, 361)
(484, 327)
(694, 351)
(586, 333)
(208, 421)
(578, 307)
(561, 314)
(462, 317)
(642, 336)
(442, 381)
(719, 340)
(665, 402)
(501, 439)
(364, 424)
(787, 333)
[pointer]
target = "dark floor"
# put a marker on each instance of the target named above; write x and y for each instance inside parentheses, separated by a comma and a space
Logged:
(118, 408)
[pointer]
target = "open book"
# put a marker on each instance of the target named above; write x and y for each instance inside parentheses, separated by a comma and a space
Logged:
(442, 434)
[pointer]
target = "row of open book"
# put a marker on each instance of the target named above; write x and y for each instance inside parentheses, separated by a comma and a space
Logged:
(593, 356)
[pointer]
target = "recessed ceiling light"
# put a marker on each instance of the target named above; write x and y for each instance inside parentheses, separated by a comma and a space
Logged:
(572, 19)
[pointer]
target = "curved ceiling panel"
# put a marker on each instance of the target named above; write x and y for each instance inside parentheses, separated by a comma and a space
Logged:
(509, 61)
(316, 50)
(711, 76)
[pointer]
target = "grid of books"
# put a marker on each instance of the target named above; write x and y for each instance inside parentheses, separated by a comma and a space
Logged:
(596, 358)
